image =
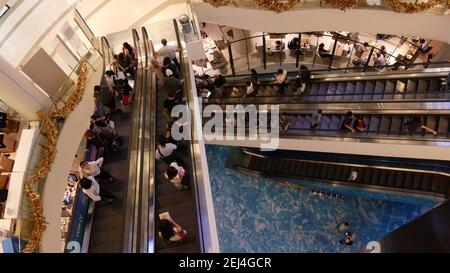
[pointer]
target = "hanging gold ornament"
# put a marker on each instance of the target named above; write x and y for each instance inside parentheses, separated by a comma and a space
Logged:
(403, 7)
(44, 167)
(277, 6)
(218, 3)
(341, 4)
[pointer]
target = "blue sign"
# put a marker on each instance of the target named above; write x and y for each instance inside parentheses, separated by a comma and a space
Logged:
(79, 218)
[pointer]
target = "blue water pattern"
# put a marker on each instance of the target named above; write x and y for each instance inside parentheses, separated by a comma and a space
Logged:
(260, 215)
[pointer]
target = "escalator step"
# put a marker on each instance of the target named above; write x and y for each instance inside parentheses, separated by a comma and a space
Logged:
(435, 184)
(294, 167)
(426, 182)
(345, 173)
(389, 89)
(335, 122)
(323, 88)
(304, 169)
(411, 86)
(409, 178)
(298, 122)
(331, 175)
(385, 123)
(307, 122)
(374, 123)
(417, 181)
(379, 86)
(341, 88)
(325, 123)
(269, 167)
(399, 182)
(431, 122)
(375, 179)
(361, 172)
(369, 88)
(350, 88)
(400, 86)
(332, 87)
(383, 178)
(339, 172)
(435, 85)
(314, 89)
(367, 176)
(318, 170)
(422, 87)
(324, 171)
(264, 163)
(309, 170)
(396, 124)
(444, 186)
(443, 124)
(391, 179)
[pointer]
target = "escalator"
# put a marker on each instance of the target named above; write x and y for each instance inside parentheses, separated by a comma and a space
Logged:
(361, 87)
(376, 178)
(380, 124)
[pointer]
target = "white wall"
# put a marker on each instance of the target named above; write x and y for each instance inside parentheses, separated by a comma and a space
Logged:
(358, 20)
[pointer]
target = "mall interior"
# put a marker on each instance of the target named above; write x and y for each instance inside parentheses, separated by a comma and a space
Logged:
(224, 126)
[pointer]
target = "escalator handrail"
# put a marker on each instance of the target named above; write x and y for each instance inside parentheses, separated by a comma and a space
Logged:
(187, 86)
(149, 196)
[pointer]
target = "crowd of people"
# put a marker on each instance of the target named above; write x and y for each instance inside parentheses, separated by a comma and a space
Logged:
(101, 134)
(169, 152)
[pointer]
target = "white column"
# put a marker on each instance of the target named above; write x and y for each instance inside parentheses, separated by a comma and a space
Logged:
(19, 93)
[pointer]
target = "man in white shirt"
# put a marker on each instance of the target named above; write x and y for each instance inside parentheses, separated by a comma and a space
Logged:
(169, 51)
(92, 189)
(164, 150)
(280, 78)
(94, 168)
(250, 90)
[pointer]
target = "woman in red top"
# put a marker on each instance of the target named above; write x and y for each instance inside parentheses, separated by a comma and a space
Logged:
(360, 124)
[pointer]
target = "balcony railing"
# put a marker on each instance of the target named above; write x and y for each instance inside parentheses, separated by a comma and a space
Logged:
(440, 9)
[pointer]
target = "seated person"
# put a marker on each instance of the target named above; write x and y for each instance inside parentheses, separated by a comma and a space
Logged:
(380, 60)
(348, 121)
(251, 91)
(280, 79)
(360, 124)
(323, 52)
(279, 45)
(424, 46)
(293, 44)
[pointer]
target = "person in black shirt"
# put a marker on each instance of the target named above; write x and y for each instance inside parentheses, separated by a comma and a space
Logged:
(219, 82)
(171, 66)
(170, 102)
(348, 122)
(323, 52)
(305, 74)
